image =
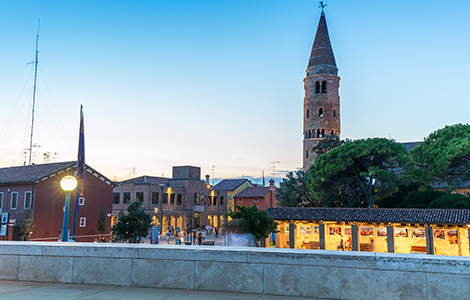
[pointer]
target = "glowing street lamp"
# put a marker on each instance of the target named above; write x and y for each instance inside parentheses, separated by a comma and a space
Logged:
(68, 184)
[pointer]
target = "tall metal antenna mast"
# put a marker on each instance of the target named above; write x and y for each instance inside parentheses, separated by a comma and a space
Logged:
(34, 96)
(274, 163)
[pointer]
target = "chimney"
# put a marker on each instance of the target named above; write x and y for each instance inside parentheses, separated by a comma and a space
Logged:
(207, 179)
(271, 185)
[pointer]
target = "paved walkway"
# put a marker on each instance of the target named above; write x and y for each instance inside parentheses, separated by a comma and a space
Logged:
(19, 290)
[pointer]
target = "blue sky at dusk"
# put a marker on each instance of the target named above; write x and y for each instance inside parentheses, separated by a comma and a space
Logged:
(220, 83)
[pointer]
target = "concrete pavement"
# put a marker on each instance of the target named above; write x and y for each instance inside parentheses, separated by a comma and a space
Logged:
(20, 290)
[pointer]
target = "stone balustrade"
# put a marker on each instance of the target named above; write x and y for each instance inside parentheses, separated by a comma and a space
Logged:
(291, 272)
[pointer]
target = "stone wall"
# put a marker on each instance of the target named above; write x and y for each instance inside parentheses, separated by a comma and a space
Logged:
(291, 272)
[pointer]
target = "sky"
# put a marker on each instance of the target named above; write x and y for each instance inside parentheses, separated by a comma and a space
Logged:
(219, 84)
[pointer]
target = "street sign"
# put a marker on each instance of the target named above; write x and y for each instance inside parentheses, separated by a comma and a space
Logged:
(4, 230)
(5, 217)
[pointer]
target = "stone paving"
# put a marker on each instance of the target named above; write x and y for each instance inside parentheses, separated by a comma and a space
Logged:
(19, 290)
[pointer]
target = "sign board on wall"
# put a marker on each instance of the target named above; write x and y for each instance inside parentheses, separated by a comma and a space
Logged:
(4, 230)
(5, 217)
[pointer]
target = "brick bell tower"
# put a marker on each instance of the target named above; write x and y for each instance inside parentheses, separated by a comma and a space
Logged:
(321, 102)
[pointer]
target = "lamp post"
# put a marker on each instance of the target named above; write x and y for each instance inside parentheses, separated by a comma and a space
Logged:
(68, 184)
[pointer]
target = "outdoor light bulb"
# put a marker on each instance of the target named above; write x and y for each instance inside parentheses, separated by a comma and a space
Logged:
(68, 183)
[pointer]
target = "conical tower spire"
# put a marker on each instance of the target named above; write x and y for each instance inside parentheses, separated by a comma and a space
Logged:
(322, 59)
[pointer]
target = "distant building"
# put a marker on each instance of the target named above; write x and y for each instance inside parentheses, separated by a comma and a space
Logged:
(183, 201)
(227, 188)
(261, 196)
(38, 187)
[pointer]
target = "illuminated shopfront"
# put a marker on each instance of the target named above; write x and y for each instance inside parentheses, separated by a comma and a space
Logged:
(432, 231)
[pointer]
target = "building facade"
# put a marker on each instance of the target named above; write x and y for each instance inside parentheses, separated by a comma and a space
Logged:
(37, 187)
(261, 196)
(321, 102)
(183, 201)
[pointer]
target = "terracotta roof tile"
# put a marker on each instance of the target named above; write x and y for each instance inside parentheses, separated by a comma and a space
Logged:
(229, 184)
(32, 173)
(252, 192)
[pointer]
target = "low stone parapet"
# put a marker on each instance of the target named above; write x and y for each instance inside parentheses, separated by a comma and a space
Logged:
(289, 272)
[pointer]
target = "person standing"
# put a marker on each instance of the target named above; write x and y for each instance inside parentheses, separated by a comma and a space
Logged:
(199, 239)
(168, 236)
(216, 232)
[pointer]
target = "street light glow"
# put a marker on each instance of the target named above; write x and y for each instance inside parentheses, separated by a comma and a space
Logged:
(68, 183)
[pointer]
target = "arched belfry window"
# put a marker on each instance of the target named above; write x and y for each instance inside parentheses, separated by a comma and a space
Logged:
(332, 132)
(308, 113)
(309, 134)
(320, 112)
(317, 87)
(334, 113)
(323, 133)
(323, 87)
(318, 133)
(306, 154)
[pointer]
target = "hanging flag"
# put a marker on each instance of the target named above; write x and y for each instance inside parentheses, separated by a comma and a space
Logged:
(81, 163)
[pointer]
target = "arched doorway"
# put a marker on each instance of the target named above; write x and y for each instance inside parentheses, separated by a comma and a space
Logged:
(216, 224)
(173, 222)
(209, 221)
(179, 223)
(164, 224)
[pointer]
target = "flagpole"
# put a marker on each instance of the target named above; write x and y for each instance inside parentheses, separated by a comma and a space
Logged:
(80, 173)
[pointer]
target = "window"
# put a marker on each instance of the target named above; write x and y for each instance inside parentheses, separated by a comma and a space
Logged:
(28, 199)
(82, 222)
(309, 134)
(320, 112)
(115, 198)
(317, 87)
(165, 198)
(154, 198)
(209, 200)
(323, 133)
(14, 200)
(332, 132)
(306, 154)
(179, 199)
(221, 200)
(230, 197)
(318, 133)
(81, 201)
(214, 200)
(334, 113)
(1, 200)
(196, 198)
(139, 196)
(126, 198)
(256, 199)
(172, 199)
(308, 112)
(323, 87)
(240, 199)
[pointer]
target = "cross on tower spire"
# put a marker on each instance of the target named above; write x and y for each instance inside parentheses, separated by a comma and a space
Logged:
(322, 6)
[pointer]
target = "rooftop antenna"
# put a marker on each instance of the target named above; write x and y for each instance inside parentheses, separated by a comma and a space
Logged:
(35, 62)
(274, 163)
(213, 167)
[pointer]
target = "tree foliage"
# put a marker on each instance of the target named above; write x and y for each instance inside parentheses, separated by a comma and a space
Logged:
(101, 223)
(132, 226)
(445, 155)
(359, 173)
(27, 223)
(252, 220)
(453, 201)
(293, 192)
(420, 199)
(328, 143)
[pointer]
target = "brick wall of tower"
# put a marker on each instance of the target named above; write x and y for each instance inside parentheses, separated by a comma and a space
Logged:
(315, 123)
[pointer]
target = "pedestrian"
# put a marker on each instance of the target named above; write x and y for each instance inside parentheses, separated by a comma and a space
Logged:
(199, 239)
(168, 236)
(216, 232)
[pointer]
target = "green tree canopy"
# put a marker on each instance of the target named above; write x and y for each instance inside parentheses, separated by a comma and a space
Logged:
(420, 199)
(328, 143)
(252, 220)
(27, 223)
(293, 192)
(445, 155)
(360, 172)
(101, 223)
(132, 226)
